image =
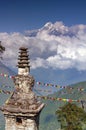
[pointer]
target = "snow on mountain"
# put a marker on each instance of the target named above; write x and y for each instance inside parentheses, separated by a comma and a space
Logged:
(53, 29)
(57, 29)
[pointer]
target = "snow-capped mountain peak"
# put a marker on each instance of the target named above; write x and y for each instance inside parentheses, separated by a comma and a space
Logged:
(47, 26)
(57, 28)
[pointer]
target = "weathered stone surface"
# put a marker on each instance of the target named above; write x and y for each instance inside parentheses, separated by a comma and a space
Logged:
(22, 109)
(14, 123)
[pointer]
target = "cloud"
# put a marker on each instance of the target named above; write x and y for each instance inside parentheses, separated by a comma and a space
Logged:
(54, 45)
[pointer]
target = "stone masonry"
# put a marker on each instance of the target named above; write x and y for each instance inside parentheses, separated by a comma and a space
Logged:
(22, 109)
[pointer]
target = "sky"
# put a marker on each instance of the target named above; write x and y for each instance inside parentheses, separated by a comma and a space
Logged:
(59, 27)
(21, 15)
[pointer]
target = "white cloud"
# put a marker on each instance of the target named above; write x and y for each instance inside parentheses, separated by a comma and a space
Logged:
(39, 62)
(46, 49)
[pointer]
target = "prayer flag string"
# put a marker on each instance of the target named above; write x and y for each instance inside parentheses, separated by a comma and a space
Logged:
(7, 76)
(59, 87)
(47, 97)
(48, 84)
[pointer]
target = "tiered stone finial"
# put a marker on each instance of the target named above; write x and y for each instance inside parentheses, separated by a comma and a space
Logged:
(22, 110)
(23, 62)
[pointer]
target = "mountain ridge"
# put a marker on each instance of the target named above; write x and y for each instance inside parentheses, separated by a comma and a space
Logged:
(57, 29)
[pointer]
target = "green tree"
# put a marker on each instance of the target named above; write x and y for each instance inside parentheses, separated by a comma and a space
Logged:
(71, 117)
(2, 49)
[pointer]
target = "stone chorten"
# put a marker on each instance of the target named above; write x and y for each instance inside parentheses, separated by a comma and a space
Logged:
(22, 109)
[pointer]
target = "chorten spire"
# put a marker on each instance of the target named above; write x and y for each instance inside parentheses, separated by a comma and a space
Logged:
(23, 62)
(22, 110)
